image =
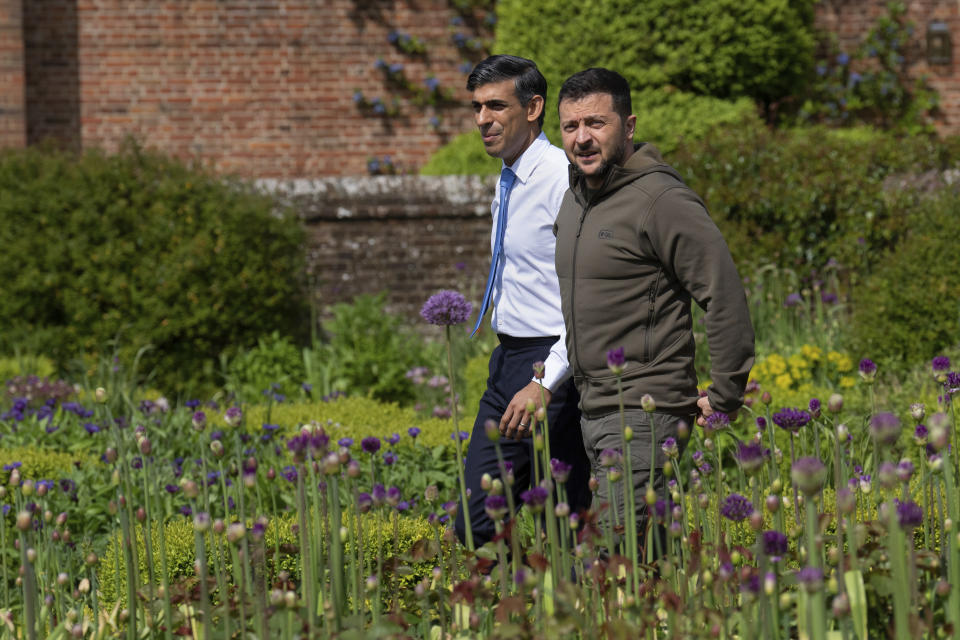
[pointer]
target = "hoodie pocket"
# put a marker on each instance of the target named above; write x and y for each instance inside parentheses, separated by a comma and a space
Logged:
(651, 317)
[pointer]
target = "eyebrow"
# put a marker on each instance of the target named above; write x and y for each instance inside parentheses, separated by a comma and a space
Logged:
(496, 102)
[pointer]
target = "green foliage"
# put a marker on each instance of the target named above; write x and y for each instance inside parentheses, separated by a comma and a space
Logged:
(670, 118)
(760, 49)
(799, 198)
(464, 155)
(873, 85)
(279, 544)
(140, 248)
(357, 418)
(908, 308)
(275, 363)
(371, 349)
(26, 364)
(38, 463)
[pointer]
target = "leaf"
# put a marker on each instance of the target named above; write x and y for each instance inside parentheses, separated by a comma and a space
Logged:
(853, 580)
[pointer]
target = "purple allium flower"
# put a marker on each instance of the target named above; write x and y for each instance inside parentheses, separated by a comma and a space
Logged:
(495, 506)
(920, 435)
(885, 428)
(670, 447)
(446, 308)
(751, 456)
(345, 442)
(610, 458)
(370, 444)
(91, 428)
(905, 470)
(811, 578)
(828, 298)
(389, 458)
(393, 496)
(716, 421)
(379, 494)
(940, 366)
(761, 422)
(233, 416)
(535, 498)
(289, 472)
(774, 544)
(413, 432)
(394, 439)
(616, 360)
(793, 300)
(868, 369)
(560, 470)
(463, 435)
(736, 507)
(909, 515)
(814, 407)
(364, 502)
(887, 474)
(791, 419)
(172, 488)
(199, 420)
(808, 474)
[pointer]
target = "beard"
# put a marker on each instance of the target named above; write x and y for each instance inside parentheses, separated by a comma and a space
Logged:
(617, 155)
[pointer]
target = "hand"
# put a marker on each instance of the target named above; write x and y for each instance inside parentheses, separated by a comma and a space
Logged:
(517, 421)
(704, 411)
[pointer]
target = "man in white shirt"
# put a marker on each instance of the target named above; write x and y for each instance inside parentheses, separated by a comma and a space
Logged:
(508, 102)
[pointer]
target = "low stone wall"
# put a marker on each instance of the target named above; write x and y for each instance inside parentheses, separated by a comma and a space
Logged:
(407, 235)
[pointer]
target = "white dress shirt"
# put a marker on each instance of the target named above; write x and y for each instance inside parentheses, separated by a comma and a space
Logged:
(526, 293)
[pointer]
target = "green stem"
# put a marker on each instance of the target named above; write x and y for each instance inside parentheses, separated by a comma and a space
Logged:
(459, 446)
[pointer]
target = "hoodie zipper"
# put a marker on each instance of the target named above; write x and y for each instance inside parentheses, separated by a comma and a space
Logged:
(573, 275)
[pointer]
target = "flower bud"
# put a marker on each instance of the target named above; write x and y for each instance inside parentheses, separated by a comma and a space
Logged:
(290, 599)
(492, 429)
(628, 434)
(486, 481)
(236, 531)
(27, 488)
(216, 448)
(647, 403)
(100, 395)
(24, 520)
(835, 403)
(110, 454)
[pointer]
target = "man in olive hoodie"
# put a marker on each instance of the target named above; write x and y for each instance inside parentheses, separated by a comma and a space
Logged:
(634, 246)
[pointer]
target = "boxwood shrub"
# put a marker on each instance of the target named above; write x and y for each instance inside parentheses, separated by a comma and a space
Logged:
(138, 249)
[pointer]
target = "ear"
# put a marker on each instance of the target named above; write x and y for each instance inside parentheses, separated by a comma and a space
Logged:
(534, 108)
(631, 126)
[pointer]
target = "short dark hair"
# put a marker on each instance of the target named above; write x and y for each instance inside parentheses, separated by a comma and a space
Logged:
(528, 81)
(598, 80)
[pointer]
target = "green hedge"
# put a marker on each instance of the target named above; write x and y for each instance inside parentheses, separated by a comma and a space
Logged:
(800, 197)
(139, 248)
(762, 49)
(908, 308)
(377, 531)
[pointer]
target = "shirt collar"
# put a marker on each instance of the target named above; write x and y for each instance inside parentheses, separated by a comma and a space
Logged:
(528, 160)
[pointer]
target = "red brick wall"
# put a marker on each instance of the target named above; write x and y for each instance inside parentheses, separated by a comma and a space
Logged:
(256, 88)
(12, 118)
(266, 88)
(850, 20)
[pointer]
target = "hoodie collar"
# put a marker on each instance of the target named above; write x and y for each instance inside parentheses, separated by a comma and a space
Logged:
(645, 159)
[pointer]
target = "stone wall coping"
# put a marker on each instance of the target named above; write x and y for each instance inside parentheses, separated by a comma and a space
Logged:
(376, 197)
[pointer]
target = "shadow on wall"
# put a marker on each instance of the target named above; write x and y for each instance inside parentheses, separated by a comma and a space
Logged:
(52, 72)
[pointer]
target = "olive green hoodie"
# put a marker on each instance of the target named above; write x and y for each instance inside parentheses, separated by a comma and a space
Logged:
(630, 257)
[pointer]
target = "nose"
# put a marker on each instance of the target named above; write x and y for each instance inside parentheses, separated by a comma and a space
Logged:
(482, 116)
(583, 137)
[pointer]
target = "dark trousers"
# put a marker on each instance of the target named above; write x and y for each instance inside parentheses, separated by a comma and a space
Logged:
(511, 369)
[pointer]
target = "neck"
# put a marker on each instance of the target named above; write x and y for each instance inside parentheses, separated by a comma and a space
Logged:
(528, 140)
